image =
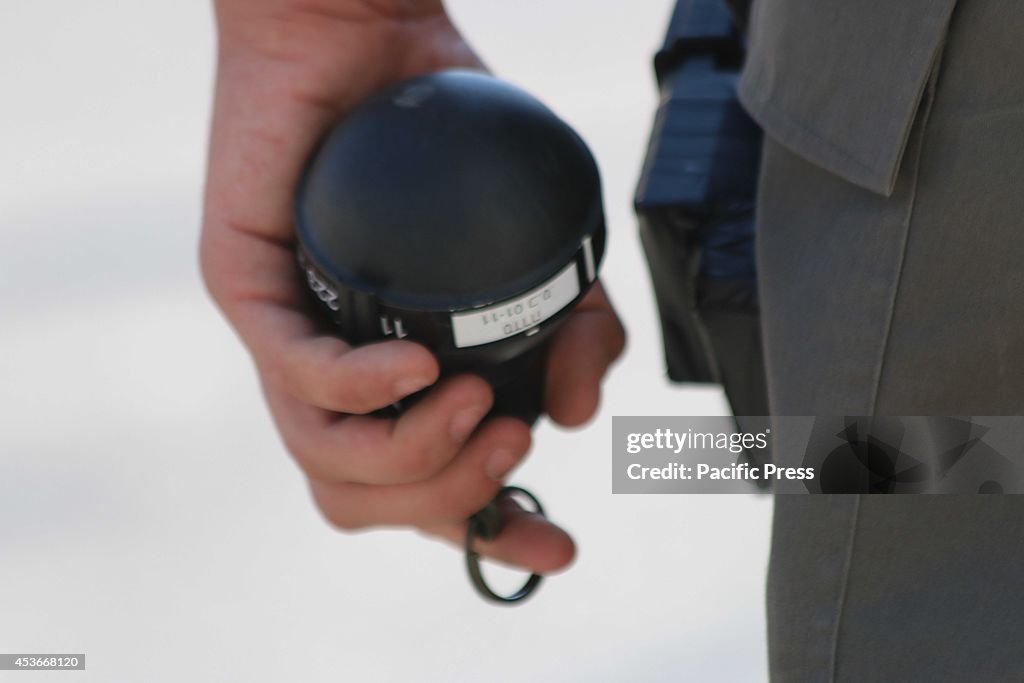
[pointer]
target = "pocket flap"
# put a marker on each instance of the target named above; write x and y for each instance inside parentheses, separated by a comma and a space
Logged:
(839, 82)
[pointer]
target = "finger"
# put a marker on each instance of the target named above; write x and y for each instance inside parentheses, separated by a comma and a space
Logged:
(371, 450)
(326, 372)
(527, 540)
(589, 341)
(461, 489)
(261, 294)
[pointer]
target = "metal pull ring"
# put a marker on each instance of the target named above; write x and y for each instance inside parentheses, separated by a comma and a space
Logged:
(487, 524)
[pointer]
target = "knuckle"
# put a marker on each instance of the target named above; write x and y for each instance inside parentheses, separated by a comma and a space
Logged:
(303, 458)
(342, 520)
(417, 462)
(335, 508)
(289, 371)
(447, 508)
(480, 388)
(442, 505)
(308, 458)
(521, 438)
(354, 398)
(294, 444)
(620, 337)
(466, 502)
(322, 390)
(513, 434)
(210, 271)
(337, 390)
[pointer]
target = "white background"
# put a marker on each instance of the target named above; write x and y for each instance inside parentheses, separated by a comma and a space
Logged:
(148, 514)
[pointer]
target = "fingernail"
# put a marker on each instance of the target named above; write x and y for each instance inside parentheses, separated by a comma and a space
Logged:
(500, 463)
(410, 385)
(464, 422)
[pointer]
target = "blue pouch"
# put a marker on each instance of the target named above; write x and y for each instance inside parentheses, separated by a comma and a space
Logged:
(695, 204)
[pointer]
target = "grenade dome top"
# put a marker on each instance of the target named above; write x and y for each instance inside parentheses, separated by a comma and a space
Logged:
(450, 190)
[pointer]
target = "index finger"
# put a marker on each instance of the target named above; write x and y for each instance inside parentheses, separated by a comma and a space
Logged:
(256, 281)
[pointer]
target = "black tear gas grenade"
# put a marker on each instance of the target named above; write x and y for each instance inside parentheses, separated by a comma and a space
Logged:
(457, 211)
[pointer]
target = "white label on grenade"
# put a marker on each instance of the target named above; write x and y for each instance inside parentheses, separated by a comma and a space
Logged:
(509, 318)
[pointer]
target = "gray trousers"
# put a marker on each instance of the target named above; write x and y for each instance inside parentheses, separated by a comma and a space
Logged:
(911, 304)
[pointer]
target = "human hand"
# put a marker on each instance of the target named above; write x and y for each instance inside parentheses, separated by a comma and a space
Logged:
(285, 75)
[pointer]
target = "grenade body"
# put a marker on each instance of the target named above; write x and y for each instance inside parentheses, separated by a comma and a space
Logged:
(456, 211)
